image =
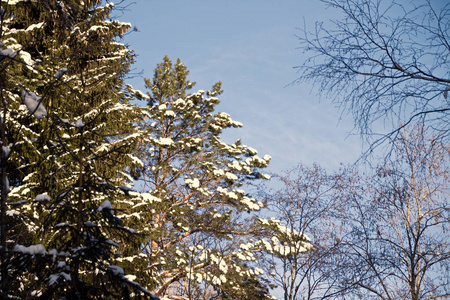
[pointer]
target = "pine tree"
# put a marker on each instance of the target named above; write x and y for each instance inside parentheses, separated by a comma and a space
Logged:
(194, 215)
(67, 134)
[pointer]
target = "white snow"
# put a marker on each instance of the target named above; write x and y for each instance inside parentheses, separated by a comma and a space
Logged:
(8, 53)
(6, 151)
(265, 176)
(90, 224)
(61, 72)
(231, 176)
(14, 2)
(218, 173)
(112, 243)
(32, 250)
(53, 252)
(236, 124)
(116, 270)
(12, 213)
(36, 293)
(28, 60)
(223, 266)
(179, 103)
(97, 28)
(35, 26)
(130, 277)
(42, 197)
(147, 197)
(165, 141)
(79, 123)
(192, 183)
(64, 224)
(105, 205)
(33, 103)
(52, 279)
(169, 113)
(227, 193)
(138, 93)
(252, 151)
(250, 203)
(136, 161)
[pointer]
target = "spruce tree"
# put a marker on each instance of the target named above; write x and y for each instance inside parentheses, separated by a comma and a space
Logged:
(194, 214)
(67, 134)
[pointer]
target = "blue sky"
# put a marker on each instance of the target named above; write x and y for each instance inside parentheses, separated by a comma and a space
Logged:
(250, 46)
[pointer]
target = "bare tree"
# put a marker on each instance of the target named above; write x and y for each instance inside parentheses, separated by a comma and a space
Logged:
(384, 235)
(385, 61)
(307, 202)
(397, 242)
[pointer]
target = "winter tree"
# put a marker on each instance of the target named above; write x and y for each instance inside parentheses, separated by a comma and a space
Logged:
(384, 235)
(396, 244)
(386, 62)
(195, 217)
(307, 204)
(67, 134)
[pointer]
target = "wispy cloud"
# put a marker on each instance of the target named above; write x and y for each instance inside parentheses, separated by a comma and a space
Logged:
(252, 51)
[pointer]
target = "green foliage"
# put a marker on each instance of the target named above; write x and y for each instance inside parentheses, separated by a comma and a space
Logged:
(64, 168)
(169, 81)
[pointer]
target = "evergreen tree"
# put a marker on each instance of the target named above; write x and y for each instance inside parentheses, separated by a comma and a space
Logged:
(67, 135)
(194, 214)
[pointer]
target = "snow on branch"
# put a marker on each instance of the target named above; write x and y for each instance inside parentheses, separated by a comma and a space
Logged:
(10, 53)
(33, 103)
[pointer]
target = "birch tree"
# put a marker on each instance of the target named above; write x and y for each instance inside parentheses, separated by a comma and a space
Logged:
(385, 62)
(396, 244)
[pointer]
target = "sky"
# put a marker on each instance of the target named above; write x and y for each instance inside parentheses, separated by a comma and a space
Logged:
(251, 46)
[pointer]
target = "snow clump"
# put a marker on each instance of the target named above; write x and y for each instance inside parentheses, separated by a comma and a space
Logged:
(105, 205)
(33, 103)
(61, 72)
(7, 53)
(32, 250)
(42, 198)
